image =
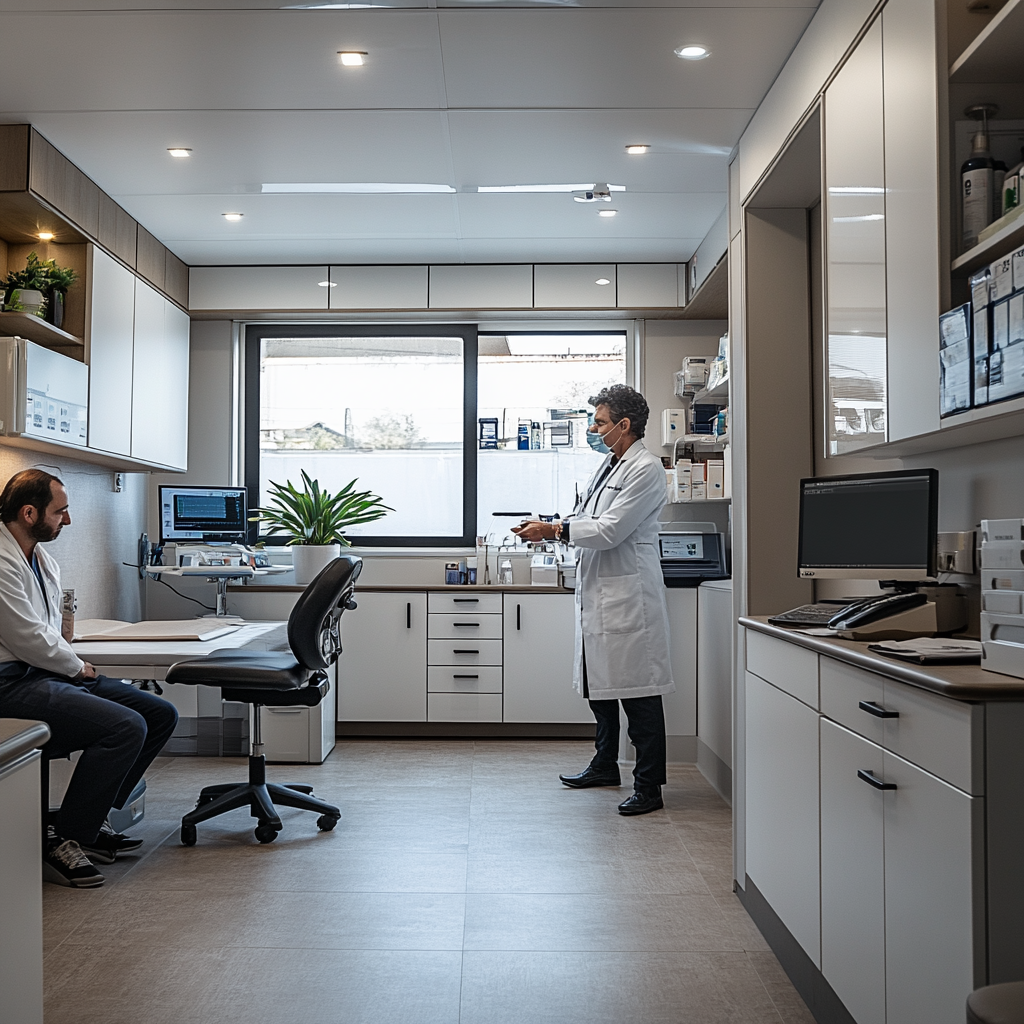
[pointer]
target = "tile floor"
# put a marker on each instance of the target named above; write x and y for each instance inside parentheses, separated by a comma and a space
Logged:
(464, 885)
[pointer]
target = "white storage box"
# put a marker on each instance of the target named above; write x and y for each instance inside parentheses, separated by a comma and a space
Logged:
(1005, 658)
(1002, 555)
(1004, 602)
(1007, 628)
(997, 531)
(1002, 579)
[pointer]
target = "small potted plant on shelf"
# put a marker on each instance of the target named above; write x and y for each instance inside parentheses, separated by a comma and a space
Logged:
(315, 520)
(61, 279)
(39, 289)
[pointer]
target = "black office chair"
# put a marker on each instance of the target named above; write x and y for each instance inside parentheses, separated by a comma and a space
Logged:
(272, 679)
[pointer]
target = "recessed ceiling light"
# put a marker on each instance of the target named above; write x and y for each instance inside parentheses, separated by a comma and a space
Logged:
(232, 216)
(602, 281)
(547, 188)
(856, 190)
(637, 149)
(181, 152)
(359, 188)
(45, 236)
(607, 213)
(328, 284)
(692, 51)
(353, 58)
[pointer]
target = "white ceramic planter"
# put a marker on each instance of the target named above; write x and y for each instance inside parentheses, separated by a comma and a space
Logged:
(30, 299)
(309, 559)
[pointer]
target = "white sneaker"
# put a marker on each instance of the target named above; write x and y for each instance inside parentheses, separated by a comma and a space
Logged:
(64, 863)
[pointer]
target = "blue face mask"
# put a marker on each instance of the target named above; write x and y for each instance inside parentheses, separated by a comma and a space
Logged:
(594, 439)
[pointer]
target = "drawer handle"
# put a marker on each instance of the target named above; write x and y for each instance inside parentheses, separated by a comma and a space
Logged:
(408, 615)
(455, 675)
(459, 650)
(285, 711)
(877, 710)
(519, 616)
(476, 624)
(466, 600)
(873, 780)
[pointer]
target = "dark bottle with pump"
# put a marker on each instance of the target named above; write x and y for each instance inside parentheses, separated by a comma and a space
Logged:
(976, 190)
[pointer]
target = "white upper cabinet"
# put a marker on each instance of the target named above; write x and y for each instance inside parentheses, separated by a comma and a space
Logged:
(258, 288)
(647, 285)
(481, 287)
(160, 380)
(378, 288)
(109, 334)
(585, 286)
(855, 230)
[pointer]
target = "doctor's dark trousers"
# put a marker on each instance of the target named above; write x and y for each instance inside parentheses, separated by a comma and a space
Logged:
(118, 728)
(645, 726)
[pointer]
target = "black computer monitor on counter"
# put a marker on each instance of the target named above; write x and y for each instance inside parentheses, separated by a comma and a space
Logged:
(203, 515)
(870, 526)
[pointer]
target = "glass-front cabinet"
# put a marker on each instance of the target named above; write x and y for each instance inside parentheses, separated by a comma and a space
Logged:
(855, 357)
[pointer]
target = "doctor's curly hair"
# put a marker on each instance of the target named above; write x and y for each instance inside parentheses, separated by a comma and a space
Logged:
(622, 400)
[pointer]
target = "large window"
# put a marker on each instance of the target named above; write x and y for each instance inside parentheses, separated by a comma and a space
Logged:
(391, 407)
(402, 409)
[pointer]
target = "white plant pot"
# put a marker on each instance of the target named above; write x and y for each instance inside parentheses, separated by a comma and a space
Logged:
(309, 559)
(30, 299)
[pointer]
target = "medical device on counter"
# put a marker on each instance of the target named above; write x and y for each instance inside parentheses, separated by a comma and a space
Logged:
(691, 553)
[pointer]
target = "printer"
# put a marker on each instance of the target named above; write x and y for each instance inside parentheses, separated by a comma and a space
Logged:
(691, 553)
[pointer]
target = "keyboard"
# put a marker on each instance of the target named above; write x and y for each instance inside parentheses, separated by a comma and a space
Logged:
(808, 615)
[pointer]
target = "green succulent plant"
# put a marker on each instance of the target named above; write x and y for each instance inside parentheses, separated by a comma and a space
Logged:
(38, 275)
(315, 516)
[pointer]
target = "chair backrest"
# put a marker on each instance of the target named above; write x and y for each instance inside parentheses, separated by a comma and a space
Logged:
(314, 633)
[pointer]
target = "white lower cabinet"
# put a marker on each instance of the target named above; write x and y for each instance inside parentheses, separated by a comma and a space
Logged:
(539, 640)
(382, 671)
(852, 873)
(782, 808)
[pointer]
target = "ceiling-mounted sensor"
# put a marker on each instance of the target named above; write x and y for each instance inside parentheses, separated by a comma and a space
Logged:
(600, 193)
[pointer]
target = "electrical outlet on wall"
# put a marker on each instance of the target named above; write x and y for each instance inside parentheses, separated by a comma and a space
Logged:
(118, 486)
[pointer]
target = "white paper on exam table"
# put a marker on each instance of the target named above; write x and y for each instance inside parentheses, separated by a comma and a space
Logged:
(209, 571)
(94, 630)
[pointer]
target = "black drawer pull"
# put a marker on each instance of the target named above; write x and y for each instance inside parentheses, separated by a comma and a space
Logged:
(408, 615)
(466, 600)
(877, 710)
(455, 675)
(873, 780)
(519, 616)
(459, 650)
(475, 624)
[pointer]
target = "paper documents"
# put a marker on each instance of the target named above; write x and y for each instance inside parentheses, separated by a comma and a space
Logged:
(93, 630)
(927, 649)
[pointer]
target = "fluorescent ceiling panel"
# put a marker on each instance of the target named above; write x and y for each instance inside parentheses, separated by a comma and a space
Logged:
(355, 188)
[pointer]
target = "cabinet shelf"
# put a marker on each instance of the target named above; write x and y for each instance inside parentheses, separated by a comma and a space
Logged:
(32, 328)
(717, 395)
(1002, 242)
(995, 55)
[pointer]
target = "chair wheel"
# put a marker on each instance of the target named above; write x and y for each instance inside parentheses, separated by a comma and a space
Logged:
(266, 833)
(326, 822)
(188, 835)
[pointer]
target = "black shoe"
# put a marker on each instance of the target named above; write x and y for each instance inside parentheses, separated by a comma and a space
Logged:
(109, 844)
(65, 864)
(591, 776)
(643, 801)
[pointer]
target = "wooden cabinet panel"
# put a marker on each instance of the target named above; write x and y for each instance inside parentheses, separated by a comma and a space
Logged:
(852, 873)
(48, 172)
(117, 230)
(175, 278)
(382, 671)
(14, 157)
(151, 259)
(782, 824)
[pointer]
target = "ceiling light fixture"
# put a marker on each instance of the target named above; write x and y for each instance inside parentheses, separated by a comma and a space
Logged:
(353, 58)
(358, 188)
(602, 281)
(548, 188)
(45, 236)
(327, 284)
(692, 51)
(607, 213)
(856, 190)
(180, 152)
(232, 216)
(637, 149)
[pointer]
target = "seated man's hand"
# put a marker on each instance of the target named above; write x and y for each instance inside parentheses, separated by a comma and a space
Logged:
(88, 672)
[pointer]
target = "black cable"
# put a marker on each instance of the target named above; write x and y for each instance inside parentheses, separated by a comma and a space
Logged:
(160, 579)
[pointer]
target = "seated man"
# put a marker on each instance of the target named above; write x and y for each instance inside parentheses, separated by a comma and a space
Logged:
(118, 728)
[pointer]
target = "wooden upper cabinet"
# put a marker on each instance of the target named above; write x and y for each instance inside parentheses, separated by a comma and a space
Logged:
(14, 157)
(176, 278)
(117, 231)
(151, 261)
(54, 178)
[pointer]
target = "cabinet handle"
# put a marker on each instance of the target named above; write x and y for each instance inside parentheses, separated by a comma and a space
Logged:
(455, 675)
(873, 780)
(476, 624)
(877, 710)
(519, 616)
(408, 615)
(458, 650)
(465, 600)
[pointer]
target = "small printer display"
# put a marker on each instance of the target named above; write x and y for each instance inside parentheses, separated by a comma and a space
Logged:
(689, 558)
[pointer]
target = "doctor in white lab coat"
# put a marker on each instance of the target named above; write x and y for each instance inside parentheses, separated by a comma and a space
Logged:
(622, 644)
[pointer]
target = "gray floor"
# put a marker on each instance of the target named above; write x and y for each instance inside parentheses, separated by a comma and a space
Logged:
(464, 885)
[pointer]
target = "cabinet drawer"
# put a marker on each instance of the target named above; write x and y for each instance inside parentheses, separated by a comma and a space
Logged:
(844, 689)
(941, 736)
(466, 602)
(468, 679)
(789, 667)
(464, 626)
(459, 652)
(285, 734)
(463, 707)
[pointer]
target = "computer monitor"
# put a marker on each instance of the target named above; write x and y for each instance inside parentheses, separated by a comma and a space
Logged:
(870, 526)
(203, 515)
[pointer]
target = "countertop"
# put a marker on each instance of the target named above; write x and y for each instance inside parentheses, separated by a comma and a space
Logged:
(961, 682)
(18, 736)
(493, 588)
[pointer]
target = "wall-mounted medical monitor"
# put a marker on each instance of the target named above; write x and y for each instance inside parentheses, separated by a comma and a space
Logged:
(203, 515)
(871, 526)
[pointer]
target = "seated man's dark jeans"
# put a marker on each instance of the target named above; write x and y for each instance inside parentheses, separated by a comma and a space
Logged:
(118, 728)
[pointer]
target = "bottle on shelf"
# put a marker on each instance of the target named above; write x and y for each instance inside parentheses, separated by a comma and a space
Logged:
(976, 180)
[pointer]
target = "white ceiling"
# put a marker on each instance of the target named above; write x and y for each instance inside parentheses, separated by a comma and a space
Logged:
(452, 94)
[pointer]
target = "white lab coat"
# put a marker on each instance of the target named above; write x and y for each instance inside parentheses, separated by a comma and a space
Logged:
(621, 613)
(30, 622)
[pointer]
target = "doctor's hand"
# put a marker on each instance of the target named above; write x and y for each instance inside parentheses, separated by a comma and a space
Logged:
(535, 531)
(88, 672)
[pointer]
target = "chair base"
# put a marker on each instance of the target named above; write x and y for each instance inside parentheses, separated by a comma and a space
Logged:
(260, 796)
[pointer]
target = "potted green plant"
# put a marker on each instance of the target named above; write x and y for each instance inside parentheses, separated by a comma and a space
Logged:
(39, 288)
(315, 520)
(61, 279)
